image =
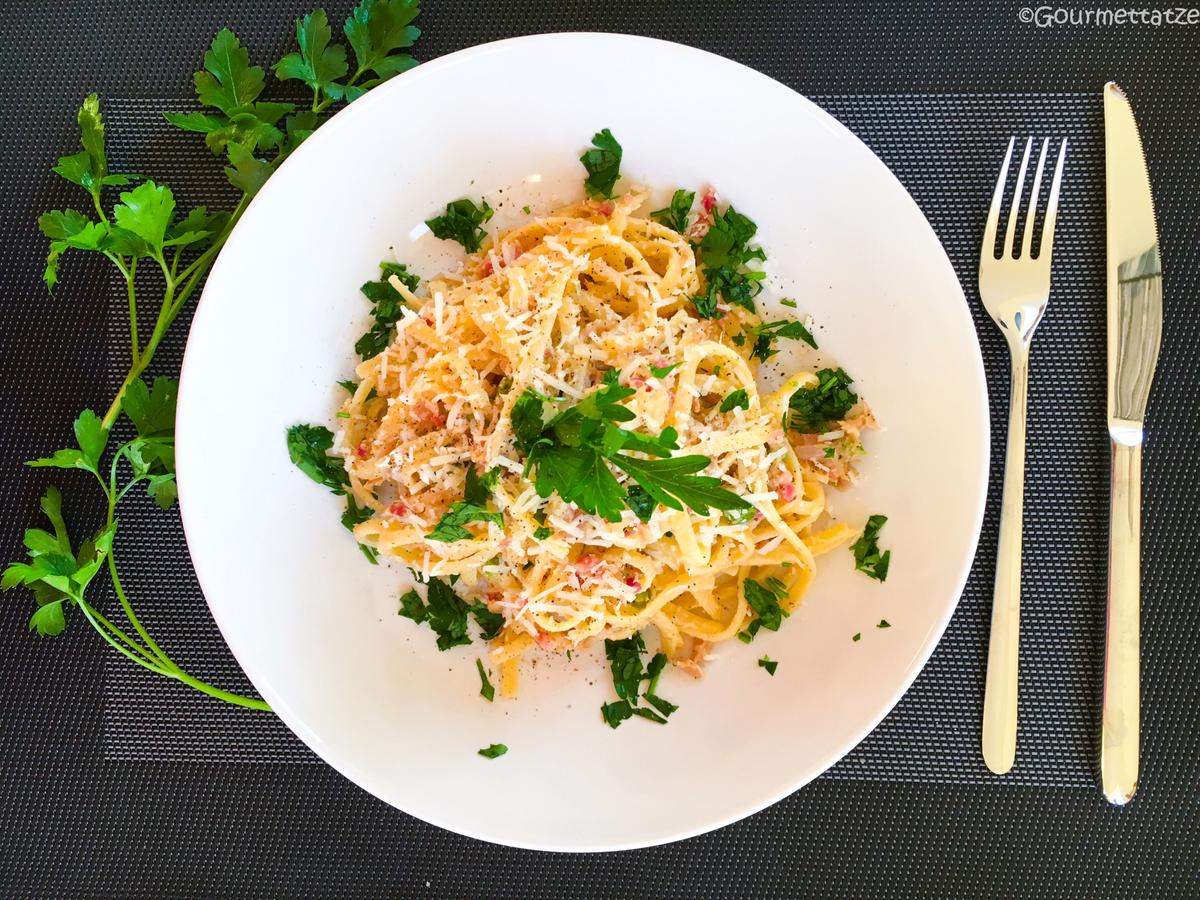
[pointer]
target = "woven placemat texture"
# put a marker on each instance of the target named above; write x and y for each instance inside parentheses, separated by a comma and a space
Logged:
(111, 785)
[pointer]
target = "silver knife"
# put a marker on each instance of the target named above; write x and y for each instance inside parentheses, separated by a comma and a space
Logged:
(1135, 294)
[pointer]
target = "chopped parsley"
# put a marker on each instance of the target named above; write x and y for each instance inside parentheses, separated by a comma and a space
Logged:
(867, 557)
(486, 691)
(472, 508)
(349, 386)
(494, 750)
(884, 623)
(387, 307)
(788, 302)
(813, 409)
(342, 414)
(447, 614)
(725, 254)
(857, 636)
(526, 210)
(738, 399)
(616, 713)
(542, 533)
(830, 452)
(462, 222)
(663, 371)
(603, 164)
(769, 664)
(763, 597)
(766, 333)
(625, 659)
(308, 448)
(675, 214)
(573, 452)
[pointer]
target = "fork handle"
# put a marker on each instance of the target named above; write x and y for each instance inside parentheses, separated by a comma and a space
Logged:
(1121, 720)
(1000, 697)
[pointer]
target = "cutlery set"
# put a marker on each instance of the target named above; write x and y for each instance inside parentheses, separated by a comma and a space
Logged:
(1014, 285)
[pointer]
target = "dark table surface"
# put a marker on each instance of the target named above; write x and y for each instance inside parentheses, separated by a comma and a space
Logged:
(75, 821)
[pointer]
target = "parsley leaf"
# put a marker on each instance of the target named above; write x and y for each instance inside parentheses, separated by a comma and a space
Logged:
(675, 214)
(649, 714)
(318, 64)
(472, 508)
(603, 164)
(461, 222)
(151, 409)
(490, 623)
(228, 82)
(351, 387)
(857, 636)
(625, 658)
(448, 614)
(387, 308)
(788, 302)
(653, 673)
(672, 483)
(307, 448)
(449, 527)
(376, 30)
(91, 437)
(706, 305)
(663, 371)
(493, 751)
(738, 399)
(642, 504)
(617, 712)
(769, 664)
(867, 557)
(486, 690)
(763, 598)
(726, 253)
(572, 453)
(814, 408)
(412, 606)
(884, 623)
(56, 576)
(766, 333)
(542, 533)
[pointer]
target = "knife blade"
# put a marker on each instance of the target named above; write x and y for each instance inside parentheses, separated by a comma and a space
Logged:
(1135, 294)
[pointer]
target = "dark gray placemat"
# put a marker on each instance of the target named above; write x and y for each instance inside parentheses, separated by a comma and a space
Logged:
(946, 150)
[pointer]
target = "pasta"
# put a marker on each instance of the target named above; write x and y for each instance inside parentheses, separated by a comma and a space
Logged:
(553, 305)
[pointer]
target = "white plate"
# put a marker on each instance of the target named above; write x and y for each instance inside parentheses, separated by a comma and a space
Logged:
(316, 628)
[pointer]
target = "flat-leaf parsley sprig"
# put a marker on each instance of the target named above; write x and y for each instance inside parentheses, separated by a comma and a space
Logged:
(132, 443)
(572, 452)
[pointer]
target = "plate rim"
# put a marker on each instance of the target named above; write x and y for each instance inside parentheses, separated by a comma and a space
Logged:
(346, 767)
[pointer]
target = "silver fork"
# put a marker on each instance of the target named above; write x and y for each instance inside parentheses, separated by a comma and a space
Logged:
(1015, 289)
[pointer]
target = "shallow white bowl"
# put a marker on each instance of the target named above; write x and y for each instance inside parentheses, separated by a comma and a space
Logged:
(316, 628)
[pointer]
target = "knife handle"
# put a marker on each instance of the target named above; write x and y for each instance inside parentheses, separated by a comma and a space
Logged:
(1000, 692)
(1122, 656)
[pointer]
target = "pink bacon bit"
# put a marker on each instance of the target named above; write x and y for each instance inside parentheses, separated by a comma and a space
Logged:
(485, 268)
(589, 567)
(633, 583)
(361, 450)
(398, 509)
(704, 218)
(787, 492)
(429, 415)
(544, 640)
(604, 207)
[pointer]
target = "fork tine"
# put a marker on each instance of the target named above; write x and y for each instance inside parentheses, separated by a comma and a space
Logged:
(1052, 206)
(1031, 212)
(993, 219)
(1011, 229)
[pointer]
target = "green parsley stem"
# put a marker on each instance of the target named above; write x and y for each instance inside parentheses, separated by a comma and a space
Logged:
(131, 296)
(107, 630)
